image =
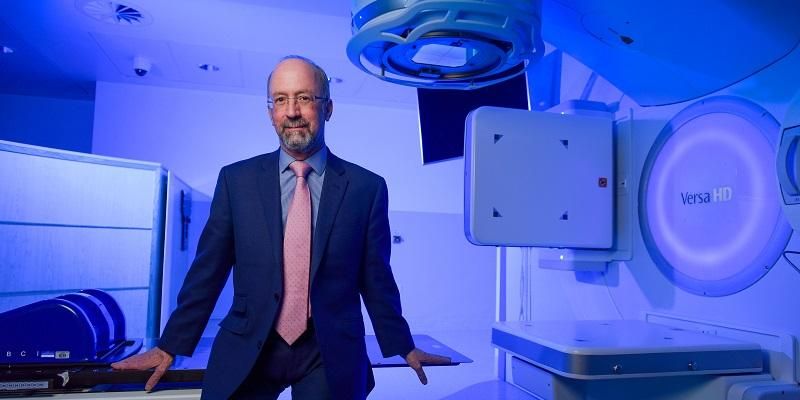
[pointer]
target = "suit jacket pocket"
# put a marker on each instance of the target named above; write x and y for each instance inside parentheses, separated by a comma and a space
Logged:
(239, 304)
(234, 323)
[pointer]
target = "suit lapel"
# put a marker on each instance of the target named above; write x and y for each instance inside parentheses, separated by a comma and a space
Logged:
(333, 189)
(270, 189)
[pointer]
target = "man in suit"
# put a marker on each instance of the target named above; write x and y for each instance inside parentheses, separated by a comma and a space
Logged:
(306, 235)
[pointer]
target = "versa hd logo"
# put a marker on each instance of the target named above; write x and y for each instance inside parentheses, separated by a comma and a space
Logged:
(720, 194)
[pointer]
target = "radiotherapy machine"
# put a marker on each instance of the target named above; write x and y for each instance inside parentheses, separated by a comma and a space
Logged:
(631, 173)
(643, 207)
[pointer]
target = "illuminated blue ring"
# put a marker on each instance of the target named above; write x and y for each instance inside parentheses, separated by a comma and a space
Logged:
(748, 275)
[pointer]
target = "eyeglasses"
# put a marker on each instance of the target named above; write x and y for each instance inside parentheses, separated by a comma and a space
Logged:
(301, 100)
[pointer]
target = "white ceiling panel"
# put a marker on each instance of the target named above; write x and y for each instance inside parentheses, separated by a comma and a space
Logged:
(65, 51)
(190, 57)
(121, 50)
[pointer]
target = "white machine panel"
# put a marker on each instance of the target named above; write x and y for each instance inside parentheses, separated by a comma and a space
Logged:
(617, 349)
(538, 179)
(71, 221)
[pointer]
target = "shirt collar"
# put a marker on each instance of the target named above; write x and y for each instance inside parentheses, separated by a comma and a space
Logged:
(317, 161)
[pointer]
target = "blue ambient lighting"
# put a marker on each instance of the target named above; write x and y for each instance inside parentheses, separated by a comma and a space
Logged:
(710, 207)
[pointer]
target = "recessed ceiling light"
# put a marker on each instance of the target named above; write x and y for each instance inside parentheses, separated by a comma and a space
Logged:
(114, 12)
(7, 50)
(208, 67)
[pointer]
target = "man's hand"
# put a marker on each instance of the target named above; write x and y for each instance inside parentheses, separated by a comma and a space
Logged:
(153, 358)
(417, 357)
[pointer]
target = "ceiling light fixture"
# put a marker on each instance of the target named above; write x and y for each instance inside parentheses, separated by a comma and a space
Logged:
(7, 50)
(208, 67)
(113, 12)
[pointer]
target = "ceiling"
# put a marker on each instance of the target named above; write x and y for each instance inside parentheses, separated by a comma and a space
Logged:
(673, 53)
(59, 50)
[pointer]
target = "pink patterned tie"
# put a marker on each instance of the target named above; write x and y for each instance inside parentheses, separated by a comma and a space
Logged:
(293, 318)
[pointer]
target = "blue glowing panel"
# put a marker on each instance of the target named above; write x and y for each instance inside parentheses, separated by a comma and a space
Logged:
(709, 202)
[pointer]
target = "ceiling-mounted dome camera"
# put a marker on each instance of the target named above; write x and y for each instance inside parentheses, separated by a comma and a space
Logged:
(141, 66)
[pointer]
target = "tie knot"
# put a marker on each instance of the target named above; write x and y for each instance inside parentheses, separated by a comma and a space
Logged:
(300, 168)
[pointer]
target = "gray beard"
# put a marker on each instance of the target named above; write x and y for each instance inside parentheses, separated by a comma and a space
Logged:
(300, 143)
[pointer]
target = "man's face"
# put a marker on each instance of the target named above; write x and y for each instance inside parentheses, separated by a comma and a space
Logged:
(299, 127)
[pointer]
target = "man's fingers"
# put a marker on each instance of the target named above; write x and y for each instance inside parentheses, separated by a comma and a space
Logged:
(436, 359)
(130, 363)
(428, 358)
(153, 358)
(157, 374)
(417, 357)
(135, 362)
(421, 374)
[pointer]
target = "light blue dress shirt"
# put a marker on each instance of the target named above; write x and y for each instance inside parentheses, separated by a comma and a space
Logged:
(317, 161)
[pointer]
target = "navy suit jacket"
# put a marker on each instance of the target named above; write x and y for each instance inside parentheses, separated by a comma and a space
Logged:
(350, 257)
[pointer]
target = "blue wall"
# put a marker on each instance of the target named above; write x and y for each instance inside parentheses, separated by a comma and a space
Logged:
(42, 121)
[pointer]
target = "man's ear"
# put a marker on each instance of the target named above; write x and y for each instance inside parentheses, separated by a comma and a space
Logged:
(329, 110)
(271, 119)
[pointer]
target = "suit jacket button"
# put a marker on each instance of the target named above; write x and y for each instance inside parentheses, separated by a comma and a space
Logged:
(277, 297)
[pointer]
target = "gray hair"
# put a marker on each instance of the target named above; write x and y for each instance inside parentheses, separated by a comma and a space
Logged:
(322, 77)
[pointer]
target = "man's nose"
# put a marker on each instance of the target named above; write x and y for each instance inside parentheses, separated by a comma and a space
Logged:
(292, 109)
